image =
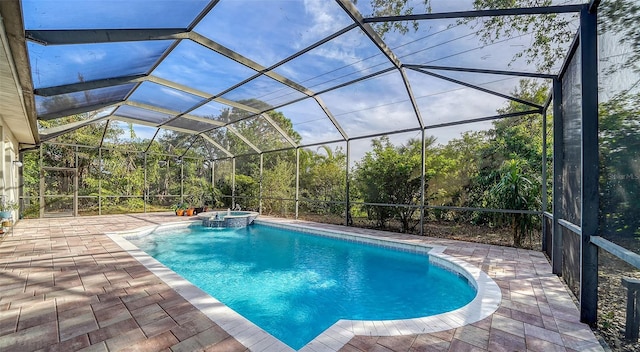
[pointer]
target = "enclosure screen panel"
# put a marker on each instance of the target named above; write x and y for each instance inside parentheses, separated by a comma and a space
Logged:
(572, 135)
(619, 137)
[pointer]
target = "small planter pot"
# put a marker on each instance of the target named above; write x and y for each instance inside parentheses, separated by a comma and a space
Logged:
(189, 212)
(180, 212)
(6, 223)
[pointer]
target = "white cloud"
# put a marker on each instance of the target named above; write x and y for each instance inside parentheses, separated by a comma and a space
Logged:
(174, 93)
(82, 58)
(323, 18)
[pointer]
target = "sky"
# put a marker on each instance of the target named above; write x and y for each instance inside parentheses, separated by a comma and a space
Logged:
(267, 32)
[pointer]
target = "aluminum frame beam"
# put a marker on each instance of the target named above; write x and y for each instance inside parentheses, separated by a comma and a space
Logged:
(363, 78)
(193, 140)
(53, 132)
(332, 118)
(473, 86)
(590, 167)
(261, 70)
(117, 117)
(481, 70)
(243, 138)
(79, 110)
(355, 15)
(88, 85)
(481, 119)
(90, 36)
(541, 10)
(412, 98)
(104, 133)
(173, 113)
(279, 129)
(558, 166)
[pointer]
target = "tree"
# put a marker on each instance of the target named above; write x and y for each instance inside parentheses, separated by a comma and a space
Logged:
(278, 183)
(391, 175)
(323, 178)
(516, 191)
(621, 17)
(394, 8)
(551, 32)
(458, 163)
(513, 138)
(247, 187)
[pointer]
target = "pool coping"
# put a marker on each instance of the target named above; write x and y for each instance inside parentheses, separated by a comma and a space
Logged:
(485, 303)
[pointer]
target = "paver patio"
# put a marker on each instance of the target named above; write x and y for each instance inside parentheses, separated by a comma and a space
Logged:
(66, 286)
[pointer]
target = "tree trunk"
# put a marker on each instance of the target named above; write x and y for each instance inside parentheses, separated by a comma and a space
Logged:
(517, 236)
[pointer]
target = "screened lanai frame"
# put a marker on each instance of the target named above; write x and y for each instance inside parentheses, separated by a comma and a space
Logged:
(161, 116)
(118, 106)
(125, 107)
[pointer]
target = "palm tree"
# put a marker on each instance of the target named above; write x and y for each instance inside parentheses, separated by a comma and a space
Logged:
(516, 191)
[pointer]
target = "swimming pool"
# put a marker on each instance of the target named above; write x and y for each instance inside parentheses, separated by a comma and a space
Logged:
(296, 285)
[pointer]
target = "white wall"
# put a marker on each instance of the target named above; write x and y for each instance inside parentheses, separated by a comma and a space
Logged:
(9, 172)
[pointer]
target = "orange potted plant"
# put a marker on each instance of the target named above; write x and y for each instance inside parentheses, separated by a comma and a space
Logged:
(179, 208)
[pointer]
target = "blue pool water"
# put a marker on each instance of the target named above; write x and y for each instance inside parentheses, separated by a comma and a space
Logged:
(296, 285)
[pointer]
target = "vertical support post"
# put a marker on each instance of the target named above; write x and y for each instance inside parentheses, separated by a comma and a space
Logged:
(544, 199)
(213, 173)
(233, 182)
(181, 180)
(589, 174)
(260, 184)
(558, 164)
(41, 183)
(75, 182)
(423, 170)
(100, 165)
(297, 181)
(167, 189)
(632, 323)
(213, 183)
(347, 202)
(145, 187)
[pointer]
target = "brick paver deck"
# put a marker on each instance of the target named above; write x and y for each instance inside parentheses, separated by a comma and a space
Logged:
(65, 286)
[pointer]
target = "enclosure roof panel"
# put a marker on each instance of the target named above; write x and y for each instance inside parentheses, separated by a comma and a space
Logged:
(61, 102)
(164, 97)
(347, 57)
(142, 114)
(123, 135)
(366, 107)
(299, 72)
(118, 14)
(310, 121)
(194, 65)
(64, 64)
(270, 31)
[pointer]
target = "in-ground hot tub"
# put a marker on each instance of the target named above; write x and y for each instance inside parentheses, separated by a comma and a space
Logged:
(226, 219)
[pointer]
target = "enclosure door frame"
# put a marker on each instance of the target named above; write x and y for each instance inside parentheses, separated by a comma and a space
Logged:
(43, 197)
